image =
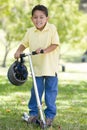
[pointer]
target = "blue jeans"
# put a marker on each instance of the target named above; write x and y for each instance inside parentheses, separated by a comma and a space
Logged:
(49, 85)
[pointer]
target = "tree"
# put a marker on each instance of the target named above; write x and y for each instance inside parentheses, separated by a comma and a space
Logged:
(12, 23)
(15, 18)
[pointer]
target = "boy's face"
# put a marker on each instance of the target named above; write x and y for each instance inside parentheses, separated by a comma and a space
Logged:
(39, 19)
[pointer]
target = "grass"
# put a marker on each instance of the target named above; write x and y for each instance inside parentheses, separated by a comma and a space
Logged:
(71, 105)
(71, 101)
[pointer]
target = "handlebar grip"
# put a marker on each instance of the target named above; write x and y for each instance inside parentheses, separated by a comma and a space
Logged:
(34, 53)
(42, 51)
(22, 55)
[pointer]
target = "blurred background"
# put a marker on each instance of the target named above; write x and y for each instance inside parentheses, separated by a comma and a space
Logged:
(70, 18)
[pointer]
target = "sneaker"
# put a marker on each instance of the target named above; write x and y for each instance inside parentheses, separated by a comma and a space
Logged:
(32, 119)
(49, 122)
(29, 119)
(25, 117)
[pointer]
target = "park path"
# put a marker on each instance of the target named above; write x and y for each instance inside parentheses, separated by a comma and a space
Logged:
(74, 71)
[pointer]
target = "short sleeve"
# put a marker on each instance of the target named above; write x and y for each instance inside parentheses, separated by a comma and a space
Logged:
(25, 40)
(55, 36)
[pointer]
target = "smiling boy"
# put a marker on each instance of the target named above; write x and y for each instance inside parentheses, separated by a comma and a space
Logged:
(42, 37)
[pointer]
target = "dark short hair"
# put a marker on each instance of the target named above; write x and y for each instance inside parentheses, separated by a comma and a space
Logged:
(41, 8)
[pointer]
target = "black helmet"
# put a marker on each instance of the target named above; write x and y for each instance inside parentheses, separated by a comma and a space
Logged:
(17, 73)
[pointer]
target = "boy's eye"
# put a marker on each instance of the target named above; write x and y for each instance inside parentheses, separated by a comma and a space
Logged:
(35, 17)
(38, 17)
(41, 17)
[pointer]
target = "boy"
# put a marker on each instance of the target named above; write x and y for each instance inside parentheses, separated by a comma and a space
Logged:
(42, 37)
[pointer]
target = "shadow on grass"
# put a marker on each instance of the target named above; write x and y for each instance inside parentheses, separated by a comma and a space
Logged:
(71, 105)
(7, 87)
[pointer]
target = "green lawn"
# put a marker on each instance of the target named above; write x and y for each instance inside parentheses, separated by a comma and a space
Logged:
(71, 105)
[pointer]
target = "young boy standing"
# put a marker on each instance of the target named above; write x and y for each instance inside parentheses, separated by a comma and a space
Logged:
(42, 37)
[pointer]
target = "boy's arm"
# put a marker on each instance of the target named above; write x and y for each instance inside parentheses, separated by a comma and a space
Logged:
(20, 49)
(48, 49)
(52, 47)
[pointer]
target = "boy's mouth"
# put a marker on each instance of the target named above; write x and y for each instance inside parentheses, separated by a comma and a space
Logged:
(38, 24)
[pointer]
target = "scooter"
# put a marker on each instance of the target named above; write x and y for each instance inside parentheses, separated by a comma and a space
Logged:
(41, 122)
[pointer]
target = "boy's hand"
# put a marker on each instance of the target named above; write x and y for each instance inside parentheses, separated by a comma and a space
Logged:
(20, 49)
(17, 55)
(38, 50)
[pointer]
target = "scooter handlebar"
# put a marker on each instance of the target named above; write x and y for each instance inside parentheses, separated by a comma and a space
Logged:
(22, 55)
(33, 53)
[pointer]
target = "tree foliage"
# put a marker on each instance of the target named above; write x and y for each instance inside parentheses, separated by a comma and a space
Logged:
(15, 18)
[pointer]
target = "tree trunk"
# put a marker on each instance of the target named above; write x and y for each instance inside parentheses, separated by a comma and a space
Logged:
(5, 56)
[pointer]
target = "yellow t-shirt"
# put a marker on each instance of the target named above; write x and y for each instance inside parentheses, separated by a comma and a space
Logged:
(43, 64)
